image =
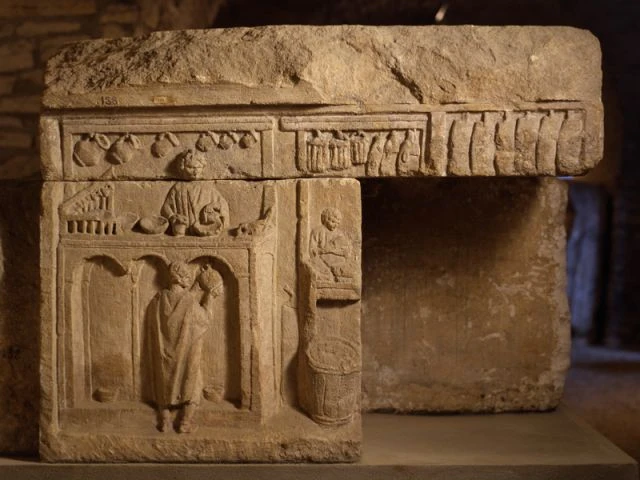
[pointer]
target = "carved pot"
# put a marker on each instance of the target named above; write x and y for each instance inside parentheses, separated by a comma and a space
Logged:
(334, 380)
(105, 395)
(123, 149)
(89, 150)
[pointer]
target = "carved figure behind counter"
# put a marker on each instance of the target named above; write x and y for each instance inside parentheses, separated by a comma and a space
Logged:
(170, 324)
(200, 249)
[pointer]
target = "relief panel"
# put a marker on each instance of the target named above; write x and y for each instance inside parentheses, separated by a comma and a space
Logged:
(167, 329)
(138, 147)
(358, 145)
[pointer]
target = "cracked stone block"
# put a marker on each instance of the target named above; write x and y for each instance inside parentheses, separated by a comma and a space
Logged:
(201, 233)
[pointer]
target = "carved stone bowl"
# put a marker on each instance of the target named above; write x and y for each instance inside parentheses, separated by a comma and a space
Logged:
(153, 225)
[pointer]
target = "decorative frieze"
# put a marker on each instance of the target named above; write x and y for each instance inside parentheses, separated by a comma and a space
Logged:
(201, 226)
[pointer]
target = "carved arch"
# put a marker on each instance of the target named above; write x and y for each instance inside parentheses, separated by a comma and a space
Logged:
(108, 370)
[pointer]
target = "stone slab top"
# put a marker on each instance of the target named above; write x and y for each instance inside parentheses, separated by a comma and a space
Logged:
(532, 446)
(348, 101)
(330, 65)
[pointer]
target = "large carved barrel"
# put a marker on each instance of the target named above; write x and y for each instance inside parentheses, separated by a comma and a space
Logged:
(334, 370)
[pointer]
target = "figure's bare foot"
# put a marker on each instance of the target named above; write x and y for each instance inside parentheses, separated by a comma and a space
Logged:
(164, 421)
(186, 424)
(187, 427)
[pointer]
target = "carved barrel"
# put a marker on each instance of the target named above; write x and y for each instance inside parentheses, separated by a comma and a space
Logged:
(334, 376)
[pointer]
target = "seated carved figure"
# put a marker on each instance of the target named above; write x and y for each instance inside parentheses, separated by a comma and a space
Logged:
(194, 207)
(330, 249)
(177, 319)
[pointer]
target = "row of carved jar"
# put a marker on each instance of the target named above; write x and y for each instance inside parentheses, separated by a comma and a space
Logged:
(93, 147)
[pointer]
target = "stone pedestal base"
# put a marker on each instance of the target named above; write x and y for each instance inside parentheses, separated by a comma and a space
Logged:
(510, 446)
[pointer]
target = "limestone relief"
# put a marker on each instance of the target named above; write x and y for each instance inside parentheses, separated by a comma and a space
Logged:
(201, 243)
(168, 318)
(231, 148)
(177, 319)
(330, 249)
(195, 208)
(531, 142)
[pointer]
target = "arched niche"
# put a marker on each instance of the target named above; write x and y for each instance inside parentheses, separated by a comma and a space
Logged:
(107, 321)
(221, 368)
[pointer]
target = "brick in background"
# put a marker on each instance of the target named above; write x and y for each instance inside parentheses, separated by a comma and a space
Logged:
(15, 139)
(16, 56)
(50, 46)
(6, 84)
(127, 14)
(30, 28)
(20, 104)
(28, 8)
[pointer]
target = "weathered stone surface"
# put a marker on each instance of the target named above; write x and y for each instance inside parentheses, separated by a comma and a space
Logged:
(266, 364)
(216, 303)
(464, 305)
(399, 101)
(19, 319)
(337, 65)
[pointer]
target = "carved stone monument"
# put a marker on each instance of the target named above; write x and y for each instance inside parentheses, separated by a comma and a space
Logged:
(200, 253)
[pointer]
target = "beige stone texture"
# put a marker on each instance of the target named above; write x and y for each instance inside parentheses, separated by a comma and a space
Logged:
(431, 65)
(462, 100)
(464, 298)
(200, 252)
(267, 354)
(19, 319)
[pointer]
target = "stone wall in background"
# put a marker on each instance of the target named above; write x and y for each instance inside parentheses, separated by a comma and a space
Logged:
(31, 31)
(464, 305)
